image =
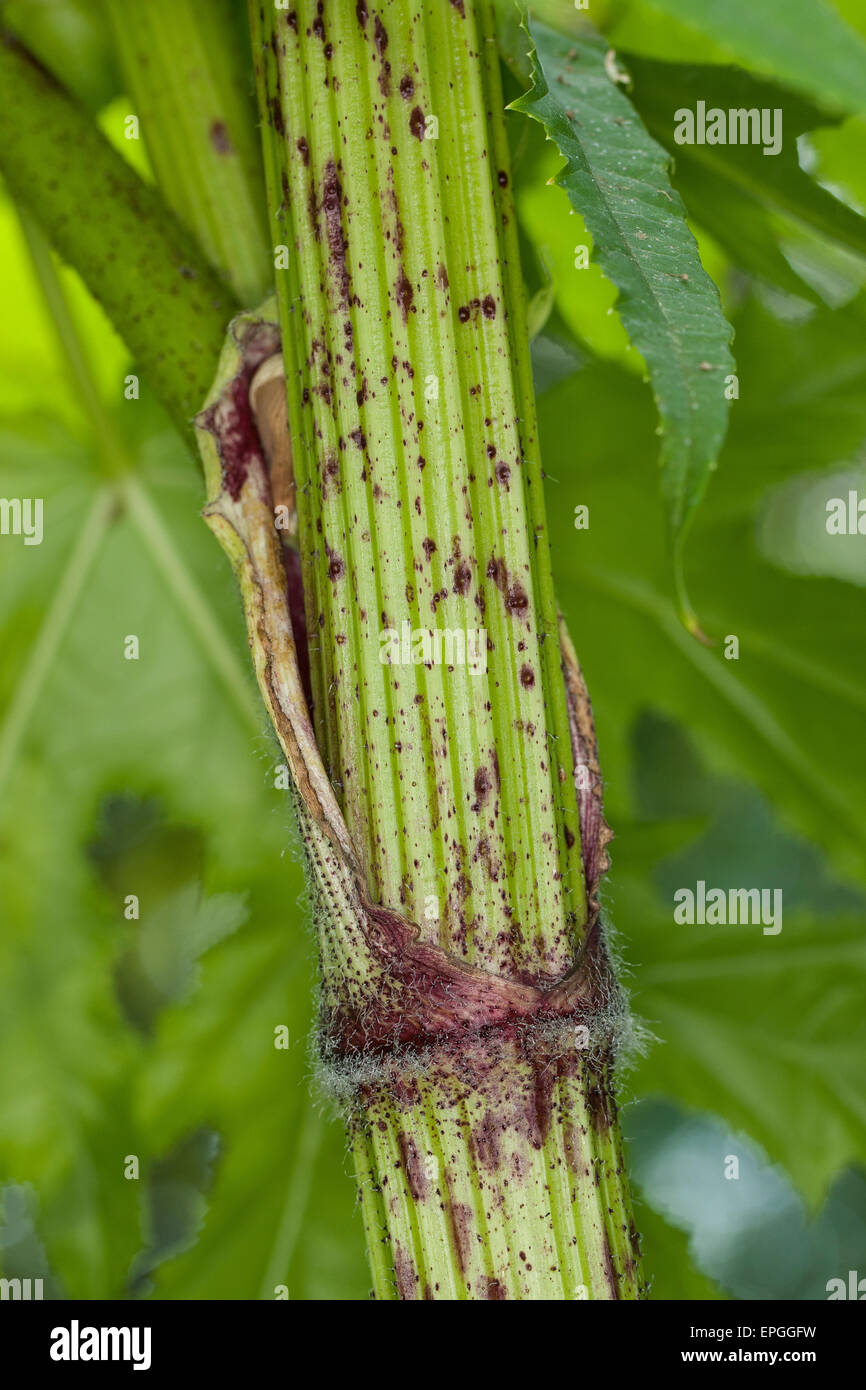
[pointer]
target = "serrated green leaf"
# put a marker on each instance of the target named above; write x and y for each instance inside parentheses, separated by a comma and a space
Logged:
(586, 299)
(617, 178)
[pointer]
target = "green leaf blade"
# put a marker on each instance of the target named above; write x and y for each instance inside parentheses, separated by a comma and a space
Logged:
(616, 176)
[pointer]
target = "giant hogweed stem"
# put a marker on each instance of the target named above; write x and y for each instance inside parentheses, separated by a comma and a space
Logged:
(469, 1013)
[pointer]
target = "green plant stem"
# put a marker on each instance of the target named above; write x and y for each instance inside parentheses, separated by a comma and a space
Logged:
(488, 1153)
(461, 1204)
(183, 66)
(144, 268)
(417, 510)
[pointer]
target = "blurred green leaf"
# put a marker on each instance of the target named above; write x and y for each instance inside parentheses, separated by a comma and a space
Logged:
(747, 1227)
(730, 188)
(787, 714)
(73, 1074)
(22, 1254)
(805, 43)
(763, 1030)
(766, 1031)
(67, 1063)
(802, 404)
(842, 157)
(176, 1203)
(667, 1257)
(71, 39)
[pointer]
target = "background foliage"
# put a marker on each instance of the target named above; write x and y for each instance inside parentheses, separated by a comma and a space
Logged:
(156, 777)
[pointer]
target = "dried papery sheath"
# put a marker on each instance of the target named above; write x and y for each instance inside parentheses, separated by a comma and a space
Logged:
(449, 806)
